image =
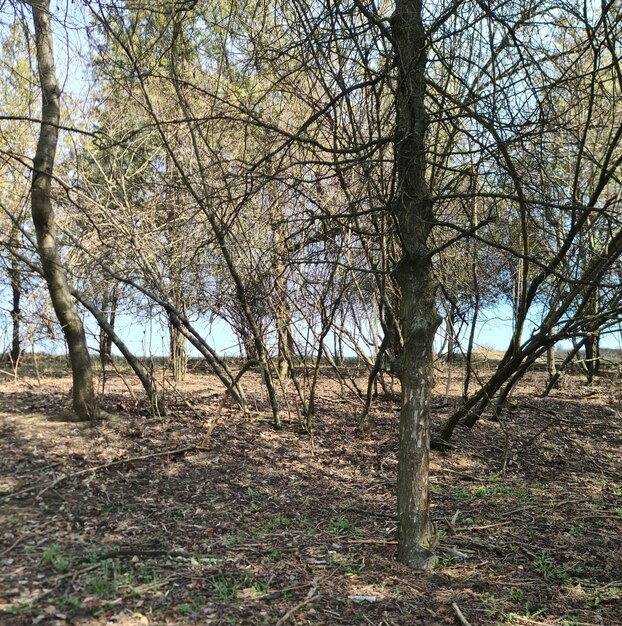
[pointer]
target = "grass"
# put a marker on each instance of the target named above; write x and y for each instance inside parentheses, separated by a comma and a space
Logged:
(189, 609)
(279, 522)
(113, 578)
(233, 539)
(549, 569)
(506, 491)
(70, 603)
(226, 588)
(53, 556)
(353, 569)
(342, 526)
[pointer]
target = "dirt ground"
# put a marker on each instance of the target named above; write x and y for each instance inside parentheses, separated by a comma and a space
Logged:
(143, 520)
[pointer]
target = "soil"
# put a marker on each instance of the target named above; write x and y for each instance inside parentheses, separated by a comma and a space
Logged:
(196, 518)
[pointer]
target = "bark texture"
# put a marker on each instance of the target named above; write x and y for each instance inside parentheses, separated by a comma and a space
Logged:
(419, 317)
(283, 313)
(84, 405)
(16, 291)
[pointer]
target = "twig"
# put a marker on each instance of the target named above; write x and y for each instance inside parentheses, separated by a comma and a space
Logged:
(381, 542)
(25, 536)
(461, 618)
(97, 468)
(470, 528)
(44, 469)
(72, 574)
(140, 551)
(16, 542)
(125, 382)
(554, 422)
(466, 476)
(354, 509)
(279, 592)
(143, 457)
(311, 596)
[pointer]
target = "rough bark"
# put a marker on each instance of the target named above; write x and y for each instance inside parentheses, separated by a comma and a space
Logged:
(16, 292)
(283, 313)
(84, 405)
(592, 355)
(178, 353)
(592, 337)
(551, 362)
(418, 314)
(110, 301)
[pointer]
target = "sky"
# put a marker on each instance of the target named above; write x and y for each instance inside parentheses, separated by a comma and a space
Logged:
(150, 338)
(495, 326)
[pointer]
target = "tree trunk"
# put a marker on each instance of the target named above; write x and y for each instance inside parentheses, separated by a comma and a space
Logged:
(16, 290)
(178, 354)
(419, 317)
(84, 404)
(110, 301)
(592, 338)
(283, 313)
(551, 363)
(107, 327)
(591, 356)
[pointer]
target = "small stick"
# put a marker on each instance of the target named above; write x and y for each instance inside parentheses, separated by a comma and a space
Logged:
(461, 618)
(125, 551)
(311, 596)
(555, 422)
(144, 457)
(20, 539)
(120, 462)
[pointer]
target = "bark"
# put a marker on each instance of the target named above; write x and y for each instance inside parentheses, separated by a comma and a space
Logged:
(107, 328)
(418, 314)
(178, 353)
(16, 291)
(592, 339)
(110, 301)
(592, 355)
(283, 311)
(104, 356)
(380, 355)
(84, 404)
(551, 363)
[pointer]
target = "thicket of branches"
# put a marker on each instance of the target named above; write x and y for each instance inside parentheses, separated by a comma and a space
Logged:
(324, 178)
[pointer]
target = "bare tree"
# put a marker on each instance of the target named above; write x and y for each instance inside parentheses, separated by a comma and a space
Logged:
(84, 402)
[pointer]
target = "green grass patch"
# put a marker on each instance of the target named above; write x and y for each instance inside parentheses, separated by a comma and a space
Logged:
(342, 526)
(53, 557)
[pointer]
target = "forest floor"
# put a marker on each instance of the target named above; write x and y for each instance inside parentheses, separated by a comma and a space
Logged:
(143, 520)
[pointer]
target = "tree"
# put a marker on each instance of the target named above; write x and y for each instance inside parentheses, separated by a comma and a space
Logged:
(419, 318)
(83, 394)
(557, 183)
(17, 96)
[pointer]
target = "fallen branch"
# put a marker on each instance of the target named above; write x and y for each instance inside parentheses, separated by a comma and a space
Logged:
(20, 539)
(143, 457)
(126, 551)
(461, 618)
(554, 422)
(311, 596)
(481, 479)
(200, 446)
